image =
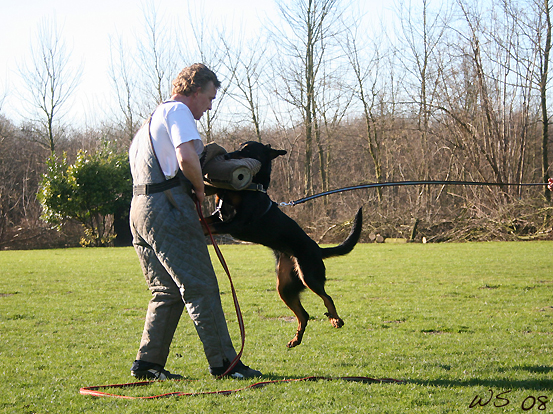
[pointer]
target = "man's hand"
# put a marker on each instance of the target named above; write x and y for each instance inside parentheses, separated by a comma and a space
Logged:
(550, 186)
(199, 196)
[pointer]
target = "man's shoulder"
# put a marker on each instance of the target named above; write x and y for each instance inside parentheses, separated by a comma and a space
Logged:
(173, 105)
(176, 107)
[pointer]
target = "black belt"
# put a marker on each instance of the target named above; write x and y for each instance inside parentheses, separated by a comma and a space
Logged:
(145, 189)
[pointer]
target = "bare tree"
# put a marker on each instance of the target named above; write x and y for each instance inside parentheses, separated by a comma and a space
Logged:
(487, 98)
(20, 171)
(124, 81)
(246, 64)
(533, 24)
(205, 46)
(50, 80)
(141, 73)
(156, 55)
(304, 51)
(422, 33)
(365, 62)
(545, 52)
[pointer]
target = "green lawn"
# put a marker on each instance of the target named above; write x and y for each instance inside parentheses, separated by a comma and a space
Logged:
(457, 323)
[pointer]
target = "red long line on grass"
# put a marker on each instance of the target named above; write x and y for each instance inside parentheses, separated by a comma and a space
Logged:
(94, 391)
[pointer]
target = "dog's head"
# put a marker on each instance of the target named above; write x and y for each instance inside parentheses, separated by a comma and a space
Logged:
(260, 152)
(256, 150)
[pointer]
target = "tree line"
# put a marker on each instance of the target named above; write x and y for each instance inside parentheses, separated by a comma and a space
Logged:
(455, 90)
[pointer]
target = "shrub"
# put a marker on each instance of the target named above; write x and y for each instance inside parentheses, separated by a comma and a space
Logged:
(90, 191)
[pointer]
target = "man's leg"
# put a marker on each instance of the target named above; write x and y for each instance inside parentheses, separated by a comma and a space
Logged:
(164, 310)
(176, 237)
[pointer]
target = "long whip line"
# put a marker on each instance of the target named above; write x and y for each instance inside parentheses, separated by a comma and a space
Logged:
(407, 183)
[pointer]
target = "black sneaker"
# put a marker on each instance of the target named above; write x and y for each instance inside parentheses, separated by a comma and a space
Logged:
(144, 370)
(240, 371)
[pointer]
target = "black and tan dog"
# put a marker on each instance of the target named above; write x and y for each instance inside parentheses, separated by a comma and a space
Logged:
(252, 216)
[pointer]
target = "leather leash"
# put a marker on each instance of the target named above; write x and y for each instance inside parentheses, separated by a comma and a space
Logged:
(234, 296)
(94, 391)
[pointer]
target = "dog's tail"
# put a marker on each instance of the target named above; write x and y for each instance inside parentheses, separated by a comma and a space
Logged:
(347, 245)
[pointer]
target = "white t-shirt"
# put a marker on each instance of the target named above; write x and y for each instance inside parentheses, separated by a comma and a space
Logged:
(173, 124)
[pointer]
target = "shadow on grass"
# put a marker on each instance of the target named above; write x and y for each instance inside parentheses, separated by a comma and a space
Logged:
(529, 384)
(540, 369)
(276, 379)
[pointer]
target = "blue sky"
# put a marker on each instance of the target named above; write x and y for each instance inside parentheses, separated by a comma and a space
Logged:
(87, 27)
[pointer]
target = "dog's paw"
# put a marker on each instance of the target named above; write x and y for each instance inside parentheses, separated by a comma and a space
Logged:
(296, 341)
(335, 321)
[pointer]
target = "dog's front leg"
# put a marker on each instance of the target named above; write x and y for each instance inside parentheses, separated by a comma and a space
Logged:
(221, 221)
(211, 222)
(216, 226)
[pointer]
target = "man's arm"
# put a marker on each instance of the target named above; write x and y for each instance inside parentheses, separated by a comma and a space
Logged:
(189, 163)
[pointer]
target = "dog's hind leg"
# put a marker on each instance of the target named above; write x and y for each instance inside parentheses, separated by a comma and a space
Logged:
(313, 276)
(332, 313)
(289, 287)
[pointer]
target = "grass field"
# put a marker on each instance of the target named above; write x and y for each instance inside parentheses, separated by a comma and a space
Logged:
(460, 324)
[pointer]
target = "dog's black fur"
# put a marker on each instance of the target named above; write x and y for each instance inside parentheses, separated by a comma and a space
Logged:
(252, 216)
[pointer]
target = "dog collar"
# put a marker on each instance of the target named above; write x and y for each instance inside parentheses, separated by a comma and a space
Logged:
(256, 187)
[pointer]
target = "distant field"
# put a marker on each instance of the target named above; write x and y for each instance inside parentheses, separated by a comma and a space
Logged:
(460, 324)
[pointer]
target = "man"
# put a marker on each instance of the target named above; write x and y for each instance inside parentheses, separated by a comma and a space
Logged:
(167, 234)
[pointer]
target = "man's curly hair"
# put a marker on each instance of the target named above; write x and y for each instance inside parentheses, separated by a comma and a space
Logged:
(192, 78)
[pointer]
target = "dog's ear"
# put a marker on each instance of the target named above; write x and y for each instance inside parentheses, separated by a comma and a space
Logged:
(276, 153)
